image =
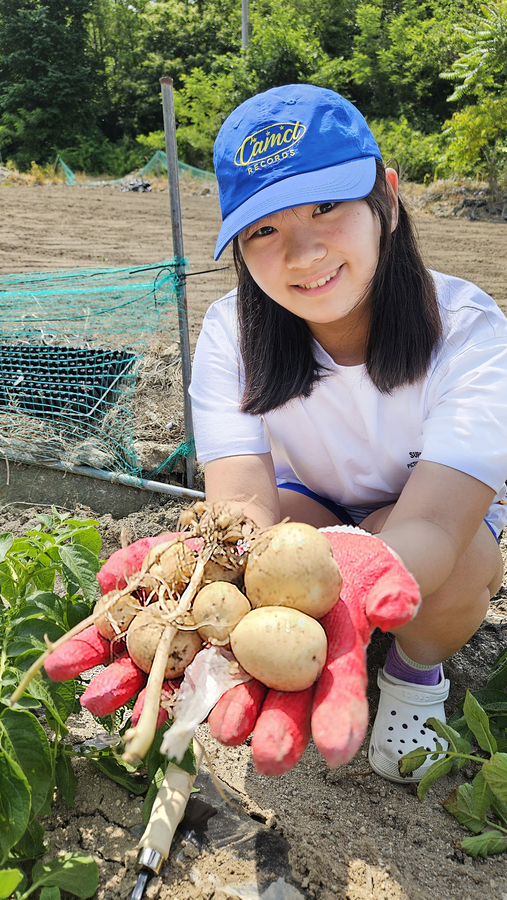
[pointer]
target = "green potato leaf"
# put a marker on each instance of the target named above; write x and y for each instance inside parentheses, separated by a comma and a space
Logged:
(6, 542)
(411, 761)
(31, 845)
(453, 737)
(485, 844)
(9, 880)
(84, 566)
(478, 723)
(27, 743)
(495, 773)
(66, 779)
(89, 538)
(482, 793)
(76, 873)
(116, 772)
(14, 804)
(462, 805)
(50, 892)
(437, 770)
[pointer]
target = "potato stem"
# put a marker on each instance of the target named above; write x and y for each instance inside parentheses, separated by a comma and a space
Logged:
(140, 738)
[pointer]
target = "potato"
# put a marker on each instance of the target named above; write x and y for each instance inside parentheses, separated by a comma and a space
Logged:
(121, 611)
(143, 637)
(282, 647)
(292, 564)
(217, 609)
(173, 561)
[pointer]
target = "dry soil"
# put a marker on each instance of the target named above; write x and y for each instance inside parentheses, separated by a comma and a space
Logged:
(345, 833)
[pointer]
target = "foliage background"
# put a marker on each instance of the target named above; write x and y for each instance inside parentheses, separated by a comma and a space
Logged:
(81, 77)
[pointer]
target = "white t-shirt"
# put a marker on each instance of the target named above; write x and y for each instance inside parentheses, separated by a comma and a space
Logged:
(347, 441)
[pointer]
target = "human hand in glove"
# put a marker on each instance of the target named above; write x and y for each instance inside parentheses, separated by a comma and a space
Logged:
(377, 591)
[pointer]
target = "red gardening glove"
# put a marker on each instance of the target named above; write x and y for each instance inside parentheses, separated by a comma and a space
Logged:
(377, 592)
(121, 680)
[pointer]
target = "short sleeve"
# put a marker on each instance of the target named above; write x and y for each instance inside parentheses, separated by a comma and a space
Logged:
(466, 423)
(220, 428)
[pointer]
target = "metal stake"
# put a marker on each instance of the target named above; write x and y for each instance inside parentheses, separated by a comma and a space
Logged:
(244, 24)
(177, 230)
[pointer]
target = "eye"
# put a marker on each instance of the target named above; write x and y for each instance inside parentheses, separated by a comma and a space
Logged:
(263, 231)
(323, 208)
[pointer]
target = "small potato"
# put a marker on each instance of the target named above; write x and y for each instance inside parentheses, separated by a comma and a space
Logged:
(143, 637)
(120, 612)
(282, 647)
(173, 561)
(292, 564)
(217, 609)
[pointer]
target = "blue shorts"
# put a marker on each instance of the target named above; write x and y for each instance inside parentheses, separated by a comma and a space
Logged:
(339, 511)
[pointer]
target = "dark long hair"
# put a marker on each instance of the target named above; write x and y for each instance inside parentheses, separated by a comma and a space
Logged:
(277, 347)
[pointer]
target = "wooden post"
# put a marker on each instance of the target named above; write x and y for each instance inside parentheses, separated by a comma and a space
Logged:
(177, 231)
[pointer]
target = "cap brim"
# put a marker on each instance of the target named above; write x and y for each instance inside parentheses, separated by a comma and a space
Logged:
(352, 180)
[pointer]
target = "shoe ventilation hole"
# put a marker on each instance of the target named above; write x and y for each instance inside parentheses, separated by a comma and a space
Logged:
(422, 731)
(400, 752)
(393, 712)
(415, 741)
(404, 725)
(415, 718)
(389, 740)
(390, 728)
(402, 741)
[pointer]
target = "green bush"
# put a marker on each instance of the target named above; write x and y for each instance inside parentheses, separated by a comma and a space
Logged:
(420, 156)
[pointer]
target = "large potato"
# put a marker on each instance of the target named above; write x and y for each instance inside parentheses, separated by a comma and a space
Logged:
(292, 564)
(145, 633)
(282, 647)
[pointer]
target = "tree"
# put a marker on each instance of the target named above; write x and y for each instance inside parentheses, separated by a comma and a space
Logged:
(483, 67)
(47, 76)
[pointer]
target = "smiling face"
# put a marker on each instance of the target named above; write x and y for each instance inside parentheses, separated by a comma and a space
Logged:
(317, 261)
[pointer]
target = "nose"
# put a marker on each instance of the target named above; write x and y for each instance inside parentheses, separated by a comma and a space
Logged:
(303, 248)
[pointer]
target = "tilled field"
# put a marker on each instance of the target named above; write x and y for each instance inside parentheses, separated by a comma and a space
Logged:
(345, 833)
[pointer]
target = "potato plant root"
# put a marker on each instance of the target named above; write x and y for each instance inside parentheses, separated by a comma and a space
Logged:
(167, 696)
(113, 687)
(233, 718)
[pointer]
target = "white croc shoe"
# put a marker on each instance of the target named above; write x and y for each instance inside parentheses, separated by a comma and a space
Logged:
(399, 724)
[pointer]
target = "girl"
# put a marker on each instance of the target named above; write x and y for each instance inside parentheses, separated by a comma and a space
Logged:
(344, 383)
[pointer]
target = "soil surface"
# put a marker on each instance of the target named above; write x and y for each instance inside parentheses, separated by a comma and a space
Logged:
(314, 832)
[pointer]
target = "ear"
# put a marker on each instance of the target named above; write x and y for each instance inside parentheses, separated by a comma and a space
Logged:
(392, 191)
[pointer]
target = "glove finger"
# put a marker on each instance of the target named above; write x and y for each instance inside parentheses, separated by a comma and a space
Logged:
(123, 563)
(168, 689)
(282, 732)
(340, 709)
(394, 600)
(113, 687)
(375, 582)
(232, 719)
(82, 652)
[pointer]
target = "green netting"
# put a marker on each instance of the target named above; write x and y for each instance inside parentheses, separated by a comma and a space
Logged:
(158, 164)
(69, 174)
(90, 369)
(155, 166)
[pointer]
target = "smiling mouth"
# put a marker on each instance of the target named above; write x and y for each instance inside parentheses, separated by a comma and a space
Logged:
(320, 282)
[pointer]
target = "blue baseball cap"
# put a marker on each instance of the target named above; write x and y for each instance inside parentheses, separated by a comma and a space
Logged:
(290, 146)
